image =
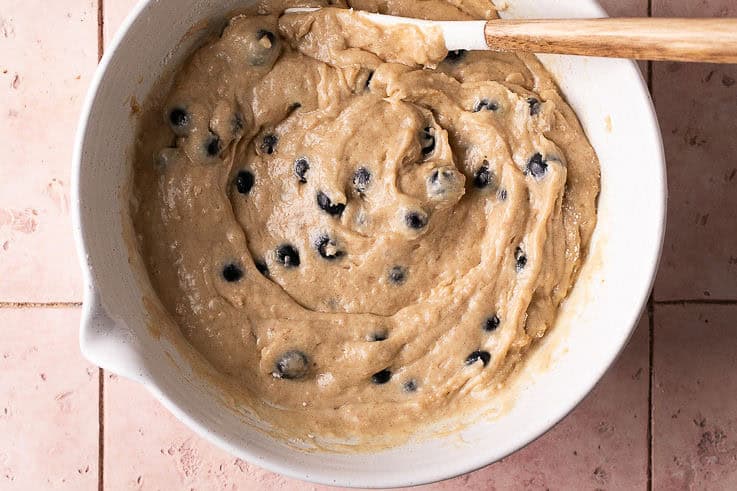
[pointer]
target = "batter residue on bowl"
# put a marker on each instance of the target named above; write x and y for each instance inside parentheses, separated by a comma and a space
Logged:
(364, 231)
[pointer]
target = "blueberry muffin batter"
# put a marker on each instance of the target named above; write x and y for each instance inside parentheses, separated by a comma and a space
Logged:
(363, 231)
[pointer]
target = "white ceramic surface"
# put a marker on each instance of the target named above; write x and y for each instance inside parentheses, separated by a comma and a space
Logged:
(614, 107)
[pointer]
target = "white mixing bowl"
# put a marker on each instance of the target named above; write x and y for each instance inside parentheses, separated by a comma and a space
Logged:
(120, 334)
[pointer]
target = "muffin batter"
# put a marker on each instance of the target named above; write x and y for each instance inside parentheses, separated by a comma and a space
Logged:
(362, 230)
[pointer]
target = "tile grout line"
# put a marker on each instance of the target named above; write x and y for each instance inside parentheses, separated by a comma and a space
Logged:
(651, 351)
(101, 429)
(39, 305)
(702, 301)
(100, 371)
(100, 29)
(650, 319)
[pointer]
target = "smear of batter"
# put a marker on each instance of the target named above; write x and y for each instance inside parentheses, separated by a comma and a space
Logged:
(366, 235)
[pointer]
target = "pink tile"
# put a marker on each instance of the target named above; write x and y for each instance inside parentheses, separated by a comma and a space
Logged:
(689, 8)
(695, 408)
(696, 105)
(48, 403)
(48, 51)
(115, 11)
(601, 444)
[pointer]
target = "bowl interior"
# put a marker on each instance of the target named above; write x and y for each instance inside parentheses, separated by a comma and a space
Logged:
(595, 323)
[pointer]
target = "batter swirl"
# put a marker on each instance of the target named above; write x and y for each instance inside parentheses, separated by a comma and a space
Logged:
(360, 232)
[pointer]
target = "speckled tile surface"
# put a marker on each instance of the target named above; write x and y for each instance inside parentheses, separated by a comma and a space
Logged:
(696, 104)
(694, 398)
(45, 68)
(48, 403)
(49, 399)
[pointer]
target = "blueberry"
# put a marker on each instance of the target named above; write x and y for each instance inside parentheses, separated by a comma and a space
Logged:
(268, 145)
(361, 180)
(427, 141)
(178, 117)
(301, 166)
(382, 377)
(244, 181)
(415, 220)
(502, 195)
(212, 146)
(232, 273)
(483, 176)
(397, 275)
(485, 104)
(327, 205)
(456, 55)
(291, 365)
(379, 336)
(492, 323)
(521, 259)
(264, 50)
(534, 106)
(328, 248)
(293, 107)
(537, 167)
(484, 356)
(263, 33)
(409, 386)
(287, 255)
(262, 268)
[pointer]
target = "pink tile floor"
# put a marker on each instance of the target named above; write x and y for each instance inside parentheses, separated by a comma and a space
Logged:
(664, 418)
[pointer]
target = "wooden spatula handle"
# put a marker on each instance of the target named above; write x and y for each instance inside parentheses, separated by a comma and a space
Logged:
(704, 40)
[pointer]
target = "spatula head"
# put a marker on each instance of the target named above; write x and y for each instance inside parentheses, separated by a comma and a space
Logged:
(467, 35)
